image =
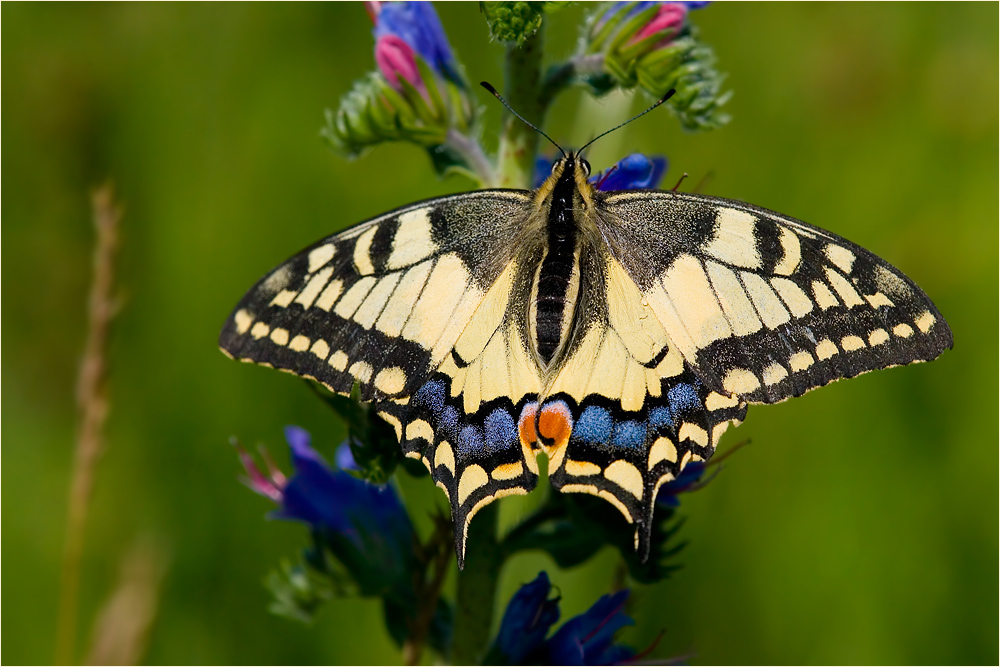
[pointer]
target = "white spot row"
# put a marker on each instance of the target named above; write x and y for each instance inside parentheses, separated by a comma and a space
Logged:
(391, 380)
(744, 381)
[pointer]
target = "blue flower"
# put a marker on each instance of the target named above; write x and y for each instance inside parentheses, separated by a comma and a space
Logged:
(365, 525)
(418, 25)
(334, 499)
(527, 620)
(543, 167)
(632, 172)
(583, 640)
(418, 93)
(587, 639)
(344, 458)
(639, 7)
(654, 46)
(396, 61)
(689, 480)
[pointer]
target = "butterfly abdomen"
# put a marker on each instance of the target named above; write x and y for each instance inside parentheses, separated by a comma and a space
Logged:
(557, 282)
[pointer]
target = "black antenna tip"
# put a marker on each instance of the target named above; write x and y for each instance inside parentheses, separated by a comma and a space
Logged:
(657, 103)
(497, 95)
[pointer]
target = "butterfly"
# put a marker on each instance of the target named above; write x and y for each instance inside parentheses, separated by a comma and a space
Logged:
(620, 333)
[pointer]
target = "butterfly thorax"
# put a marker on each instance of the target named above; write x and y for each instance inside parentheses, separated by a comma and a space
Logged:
(564, 199)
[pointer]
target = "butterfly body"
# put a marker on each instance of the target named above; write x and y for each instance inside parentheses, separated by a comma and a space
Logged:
(619, 332)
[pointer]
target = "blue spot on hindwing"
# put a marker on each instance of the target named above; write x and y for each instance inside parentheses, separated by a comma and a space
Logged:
(683, 397)
(629, 435)
(593, 426)
(431, 397)
(447, 425)
(470, 441)
(501, 430)
(660, 418)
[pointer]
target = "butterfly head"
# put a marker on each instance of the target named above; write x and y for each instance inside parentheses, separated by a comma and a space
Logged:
(570, 173)
(571, 168)
(572, 162)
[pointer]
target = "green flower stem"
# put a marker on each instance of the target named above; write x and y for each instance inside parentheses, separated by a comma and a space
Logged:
(518, 142)
(477, 588)
(561, 76)
(472, 153)
(435, 557)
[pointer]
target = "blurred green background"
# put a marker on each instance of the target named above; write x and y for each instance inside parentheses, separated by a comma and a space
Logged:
(859, 527)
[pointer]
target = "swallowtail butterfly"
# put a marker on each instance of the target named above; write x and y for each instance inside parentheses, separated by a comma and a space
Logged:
(619, 332)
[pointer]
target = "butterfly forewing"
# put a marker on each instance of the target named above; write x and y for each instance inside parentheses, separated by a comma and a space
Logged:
(765, 307)
(379, 302)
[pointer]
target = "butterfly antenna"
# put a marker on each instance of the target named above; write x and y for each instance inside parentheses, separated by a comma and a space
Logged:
(655, 104)
(504, 102)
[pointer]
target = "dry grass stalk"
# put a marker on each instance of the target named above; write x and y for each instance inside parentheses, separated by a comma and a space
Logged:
(92, 400)
(121, 631)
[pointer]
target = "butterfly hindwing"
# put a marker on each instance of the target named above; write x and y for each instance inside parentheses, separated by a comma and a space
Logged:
(625, 413)
(465, 421)
(763, 306)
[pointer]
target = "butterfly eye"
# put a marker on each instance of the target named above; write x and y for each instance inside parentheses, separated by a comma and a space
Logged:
(586, 167)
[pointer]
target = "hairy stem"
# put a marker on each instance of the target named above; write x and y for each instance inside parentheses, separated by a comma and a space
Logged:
(474, 157)
(437, 555)
(522, 88)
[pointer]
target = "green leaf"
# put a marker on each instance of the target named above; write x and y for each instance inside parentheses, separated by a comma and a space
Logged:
(447, 160)
(298, 591)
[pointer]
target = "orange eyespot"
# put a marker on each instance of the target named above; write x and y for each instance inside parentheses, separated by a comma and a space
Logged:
(555, 423)
(526, 425)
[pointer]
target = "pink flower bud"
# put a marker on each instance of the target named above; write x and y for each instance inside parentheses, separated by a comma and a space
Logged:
(269, 486)
(667, 22)
(395, 58)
